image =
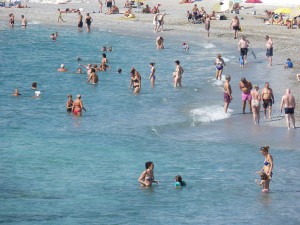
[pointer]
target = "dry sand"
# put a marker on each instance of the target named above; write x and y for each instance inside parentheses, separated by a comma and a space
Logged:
(286, 41)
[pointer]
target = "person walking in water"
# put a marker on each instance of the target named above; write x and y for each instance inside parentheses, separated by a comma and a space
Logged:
(88, 21)
(246, 87)
(255, 103)
(267, 167)
(288, 103)
(227, 92)
(59, 16)
(220, 63)
(268, 99)
(147, 177)
(77, 106)
(80, 23)
(152, 74)
(177, 75)
(243, 48)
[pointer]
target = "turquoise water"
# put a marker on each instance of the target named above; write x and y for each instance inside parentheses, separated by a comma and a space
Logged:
(57, 169)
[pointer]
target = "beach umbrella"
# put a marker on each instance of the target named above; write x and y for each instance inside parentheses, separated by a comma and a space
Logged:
(283, 11)
(253, 1)
(295, 12)
(236, 1)
(217, 7)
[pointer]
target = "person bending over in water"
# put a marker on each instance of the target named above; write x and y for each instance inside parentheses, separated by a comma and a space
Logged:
(152, 74)
(147, 177)
(69, 103)
(78, 106)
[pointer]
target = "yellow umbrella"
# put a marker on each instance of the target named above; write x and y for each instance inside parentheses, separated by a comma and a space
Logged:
(295, 12)
(283, 11)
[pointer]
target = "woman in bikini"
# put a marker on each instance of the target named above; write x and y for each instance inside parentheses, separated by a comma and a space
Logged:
(69, 103)
(152, 74)
(255, 103)
(147, 177)
(104, 59)
(136, 82)
(267, 167)
(88, 21)
(78, 106)
(219, 66)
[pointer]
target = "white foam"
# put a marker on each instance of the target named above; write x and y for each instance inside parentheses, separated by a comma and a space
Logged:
(226, 59)
(208, 46)
(209, 114)
(33, 22)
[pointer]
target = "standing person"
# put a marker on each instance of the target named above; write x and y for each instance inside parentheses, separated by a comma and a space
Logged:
(243, 46)
(219, 66)
(80, 23)
(268, 99)
(59, 16)
(235, 25)
(152, 74)
(267, 167)
(147, 177)
(69, 103)
(11, 20)
(255, 103)
(100, 6)
(160, 20)
(136, 81)
(269, 52)
(77, 106)
(109, 4)
(289, 104)
(155, 23)
(177, 75)
(245, 87)
(227, 92)
(104, 59)
(88, 21)
(24, 21)
(93, 77)
(207, 24)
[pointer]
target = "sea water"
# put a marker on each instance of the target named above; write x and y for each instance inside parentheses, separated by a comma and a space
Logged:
(59, 169)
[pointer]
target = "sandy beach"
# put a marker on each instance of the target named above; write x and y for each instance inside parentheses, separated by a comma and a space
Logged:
(286, 41)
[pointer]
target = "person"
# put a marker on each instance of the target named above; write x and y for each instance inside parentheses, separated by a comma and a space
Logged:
(11, 20)
(219, 66)
(100, 6)
(62, 68)
(119, 70)
(147, 177)
(88, 21)
(103, 49)
(127, 4)
(235, 25)
(147, 9)
(243, 46)
(136, 82)
(79, 70)
(160, 20)
(88, 68)
(177, 75)
(80, 23)
(69, 103)
(37, 94)
(16, 93)
(24, 21)
(189, 16)
(34, 86)
(262, 183)
(241, 59)
(289, 104)
(152, 74)
(267, 167)
(298, 77)
(179, 182)
(109, 4)
(207, 24)
(54, 36)
(255, 103)
(109, 49)
(155, 23)
(268, 99)
(160, 43)
(269, 52)
(104, 59)
(77, 106)
(93, 77)
(288, 64)
(59, 16)
(245, 87)
(113, 10)
(195, 12)
(227, 92)
(104, 67)
(185, 46)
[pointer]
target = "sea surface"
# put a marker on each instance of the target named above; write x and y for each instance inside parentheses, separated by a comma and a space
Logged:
(59, 169)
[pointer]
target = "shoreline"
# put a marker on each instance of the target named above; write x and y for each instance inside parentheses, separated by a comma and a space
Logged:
(177, 27)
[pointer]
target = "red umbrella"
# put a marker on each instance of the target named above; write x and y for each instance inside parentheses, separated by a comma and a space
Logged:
(253, 1)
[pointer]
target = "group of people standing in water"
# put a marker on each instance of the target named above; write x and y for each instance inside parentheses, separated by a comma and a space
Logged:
(146, 178)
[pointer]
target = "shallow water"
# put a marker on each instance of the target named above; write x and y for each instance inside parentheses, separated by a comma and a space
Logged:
(57, 169)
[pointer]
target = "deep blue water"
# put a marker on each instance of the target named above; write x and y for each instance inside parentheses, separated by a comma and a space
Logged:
(58, 169)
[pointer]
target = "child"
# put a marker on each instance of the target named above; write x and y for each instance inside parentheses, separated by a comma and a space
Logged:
(185, 46)
(189, 16)
(241, 61)
(263, 178)
(179, 182)
(288, 64)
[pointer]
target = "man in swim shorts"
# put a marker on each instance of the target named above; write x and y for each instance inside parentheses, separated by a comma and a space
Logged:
(109, 4)
(227, 93)
(235, 25)
(269, 52)
(243, 48)
(80, 23)
(289, 104)
(268, 99)
(246, 87)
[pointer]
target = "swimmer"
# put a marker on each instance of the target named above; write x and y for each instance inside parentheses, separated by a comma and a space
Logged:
(78, 106)
(147, 177)
(69, 103)
(179, 182)
(62, 68)
(104, 67)
(185, 46)
(120, 70)
(34, 86)
(16, 93)
(104, 59)
(36, 94)
(109, 49)
(93, 78)
(78, 59)
(152, 74)
(103, 49)
(53, 36)
(79, 70)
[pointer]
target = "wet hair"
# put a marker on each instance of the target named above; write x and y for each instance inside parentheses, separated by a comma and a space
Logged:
(148, 164)
(178, 178)
(152, 64)
(34, 85)
(263, 176)
(243, 79)
(227, 77)
(177, 62)
(132, 71)
(119, 70)
(78, 59)
(265, 149)
(104, 55)
(93, 70)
